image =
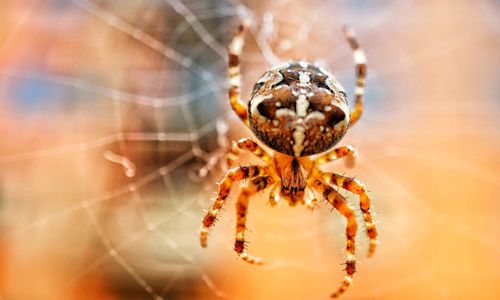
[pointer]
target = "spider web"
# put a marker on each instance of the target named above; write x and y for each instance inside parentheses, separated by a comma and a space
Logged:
(115, 120)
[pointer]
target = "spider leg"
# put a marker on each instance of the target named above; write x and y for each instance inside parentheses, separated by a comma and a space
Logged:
(235, 48)
(249, 145)
(311, 201)
(257, 184)
(233, 175)
(339, 202)
(274, 197)
(345, 151)
(360, 61)
(358, 188)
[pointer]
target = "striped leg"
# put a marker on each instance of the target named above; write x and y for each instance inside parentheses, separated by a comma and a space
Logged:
(345, 151)
(235, 48)
(339, 202)
(257, 184)
(359, 189)
(249, 145)
(233, 175)
(360, 61)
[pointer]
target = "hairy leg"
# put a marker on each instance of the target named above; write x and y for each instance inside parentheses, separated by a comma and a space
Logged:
(257, 184)
(339, 202)
(358, 188)
(248, 145)
(360, 61)
(235, 48)
(344, 151)
(233, 175)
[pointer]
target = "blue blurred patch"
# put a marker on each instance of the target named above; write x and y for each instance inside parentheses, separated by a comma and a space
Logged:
(33, 95)
(59, 4)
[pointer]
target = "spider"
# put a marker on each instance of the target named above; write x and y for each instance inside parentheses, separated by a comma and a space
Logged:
(300, 111)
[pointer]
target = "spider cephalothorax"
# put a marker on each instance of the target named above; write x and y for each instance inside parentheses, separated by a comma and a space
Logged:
(294, 173)
(298, 110)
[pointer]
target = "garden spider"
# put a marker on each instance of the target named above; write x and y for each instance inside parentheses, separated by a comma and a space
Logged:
(298, 110)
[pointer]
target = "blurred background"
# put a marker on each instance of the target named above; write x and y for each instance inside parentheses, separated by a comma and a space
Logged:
(110, 109)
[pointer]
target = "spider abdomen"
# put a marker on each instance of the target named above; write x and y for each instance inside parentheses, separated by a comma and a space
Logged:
(298, 109)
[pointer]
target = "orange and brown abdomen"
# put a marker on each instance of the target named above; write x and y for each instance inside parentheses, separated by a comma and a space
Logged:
(298, 109)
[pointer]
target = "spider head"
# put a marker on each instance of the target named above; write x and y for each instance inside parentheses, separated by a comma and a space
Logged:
(298, 109)
(294, 173)
(293, 194)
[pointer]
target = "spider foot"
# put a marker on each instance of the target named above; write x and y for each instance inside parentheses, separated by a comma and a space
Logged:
(373, 246)
(343, 287)
(203, 237)
(253, 260)
(350, 161)
(241, 250)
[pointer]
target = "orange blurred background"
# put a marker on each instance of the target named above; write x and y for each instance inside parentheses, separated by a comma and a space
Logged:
(108, 110)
